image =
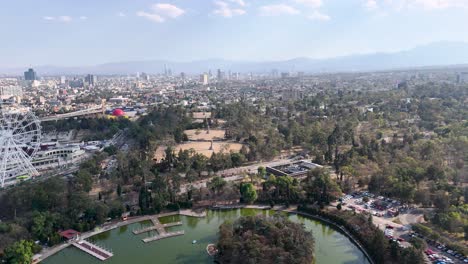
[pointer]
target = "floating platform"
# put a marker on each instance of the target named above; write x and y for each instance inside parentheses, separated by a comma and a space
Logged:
(156, 227)
(162, 236)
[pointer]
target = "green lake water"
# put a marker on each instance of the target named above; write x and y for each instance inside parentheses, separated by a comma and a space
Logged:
(331, 247)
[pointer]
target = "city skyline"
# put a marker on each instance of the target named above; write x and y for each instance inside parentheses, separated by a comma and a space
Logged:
(87, 33)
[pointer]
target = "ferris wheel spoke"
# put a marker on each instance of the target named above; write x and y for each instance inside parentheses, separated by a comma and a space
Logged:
(31, 136)
(24, 128)
(20, 122)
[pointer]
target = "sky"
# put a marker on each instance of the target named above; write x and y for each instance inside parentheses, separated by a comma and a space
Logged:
(90, 32)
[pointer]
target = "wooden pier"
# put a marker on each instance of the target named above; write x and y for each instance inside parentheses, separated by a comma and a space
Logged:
(93, 250)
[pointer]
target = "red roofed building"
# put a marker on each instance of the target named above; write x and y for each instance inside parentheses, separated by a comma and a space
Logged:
(69, 234)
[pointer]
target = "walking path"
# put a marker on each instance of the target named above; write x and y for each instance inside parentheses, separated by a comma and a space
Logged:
(93, 250)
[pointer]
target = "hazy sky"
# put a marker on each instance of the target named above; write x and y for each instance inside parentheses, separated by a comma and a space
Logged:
(86, 32)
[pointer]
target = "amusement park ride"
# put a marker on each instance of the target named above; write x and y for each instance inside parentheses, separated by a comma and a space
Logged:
(20, 138)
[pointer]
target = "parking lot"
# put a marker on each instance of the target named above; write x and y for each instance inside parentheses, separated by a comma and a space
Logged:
(384, 212)
(394, 219)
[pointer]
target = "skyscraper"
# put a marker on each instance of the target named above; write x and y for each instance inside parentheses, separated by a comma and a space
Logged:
(220, 75)
(30, 75)
(91, 79)
(204, 79)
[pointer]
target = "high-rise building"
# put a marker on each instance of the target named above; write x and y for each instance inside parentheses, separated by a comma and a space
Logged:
(30, 75)
(220, 75)
(204, 79)
(62, 80)
(91, 79)
(144, 76)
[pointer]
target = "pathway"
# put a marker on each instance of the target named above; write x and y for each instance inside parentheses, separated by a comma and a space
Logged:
(93, 250)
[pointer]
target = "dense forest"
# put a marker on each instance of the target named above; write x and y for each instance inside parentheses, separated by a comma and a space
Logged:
(257, 239)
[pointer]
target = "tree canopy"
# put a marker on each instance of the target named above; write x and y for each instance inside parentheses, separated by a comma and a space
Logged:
(258, 239)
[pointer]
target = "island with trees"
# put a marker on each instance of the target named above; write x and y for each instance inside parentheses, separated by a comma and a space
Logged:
(264, 240)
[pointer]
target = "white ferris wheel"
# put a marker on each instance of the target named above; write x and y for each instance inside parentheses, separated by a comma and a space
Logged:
(20, 136)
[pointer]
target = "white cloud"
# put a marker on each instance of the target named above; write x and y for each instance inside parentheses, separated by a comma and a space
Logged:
(151, 16)
(239, 2)
(223, 9)
(316, 15)
(371, 4)
(65, 19)
(121, 14)
(161, 11)
(83, 17)
(310, 3)
(277, 10)
(167, 10)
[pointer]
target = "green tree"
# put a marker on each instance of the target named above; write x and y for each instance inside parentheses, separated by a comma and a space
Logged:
(21, 252)
(248, 193)
(264, 240)
(217, 184)
(83, 181)
(261, 172)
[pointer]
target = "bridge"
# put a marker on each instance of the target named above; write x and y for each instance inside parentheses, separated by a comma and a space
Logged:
(90, 111)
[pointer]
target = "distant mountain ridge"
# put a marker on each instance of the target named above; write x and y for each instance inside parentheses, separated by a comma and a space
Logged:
(435, 54)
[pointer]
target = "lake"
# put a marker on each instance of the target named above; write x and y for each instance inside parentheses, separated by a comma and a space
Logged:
(330, 245)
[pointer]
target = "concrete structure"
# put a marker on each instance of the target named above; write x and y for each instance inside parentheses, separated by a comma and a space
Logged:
(293, 169)
(58, 156)
(90, 111)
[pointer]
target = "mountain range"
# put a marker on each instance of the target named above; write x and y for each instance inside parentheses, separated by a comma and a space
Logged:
(435, 54)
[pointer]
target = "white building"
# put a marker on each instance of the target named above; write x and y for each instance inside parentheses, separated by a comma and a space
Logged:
(204, 79)
(57, 157)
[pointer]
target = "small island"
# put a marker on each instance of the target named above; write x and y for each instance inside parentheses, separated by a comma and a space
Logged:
(259, 239)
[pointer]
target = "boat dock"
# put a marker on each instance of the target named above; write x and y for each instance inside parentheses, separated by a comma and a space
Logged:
(199, 214)
(156, 226)
(93, 250)
(164, 235)
(160, 228)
